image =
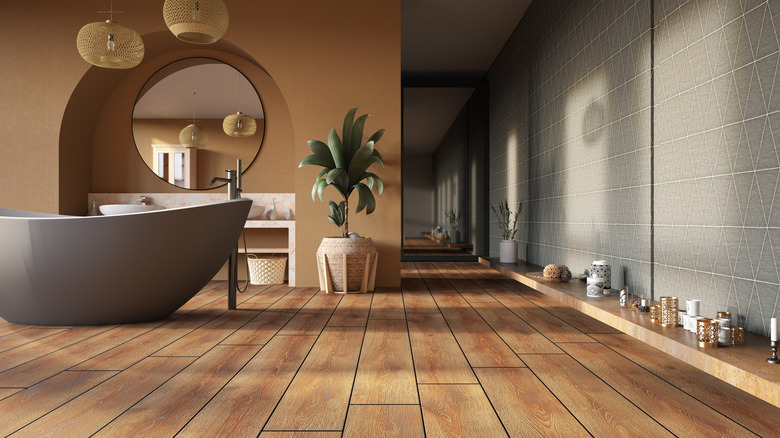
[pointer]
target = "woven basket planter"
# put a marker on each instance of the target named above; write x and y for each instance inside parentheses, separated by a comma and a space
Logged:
(347, 265)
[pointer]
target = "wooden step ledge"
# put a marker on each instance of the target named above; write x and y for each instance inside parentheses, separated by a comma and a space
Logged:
(744, 367)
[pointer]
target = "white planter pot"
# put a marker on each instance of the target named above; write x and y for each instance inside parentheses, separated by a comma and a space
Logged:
(508, 251)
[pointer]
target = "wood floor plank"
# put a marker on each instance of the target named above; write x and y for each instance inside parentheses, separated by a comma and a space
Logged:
(409, 270)
(385, 372)
(261, 329)
(388, 303)
(313, 316)
(746, 409)
(677, 411)
(553, 328)
(384, 421)
(598, 407)
(203, 338)
(134, 350)
(417, 298)
(481, 345)
(318, 397)
(300, 434)
(28, 405)
(519, 335)
(437, 356)
(464, 285)
(39, 369)
(352, 310)
(28, 335)
(458, 410)
(7, 392)
(243, 406)
(265, 297)
(295, 299)
(89, 412)
(525, 406)
(7, 328)
(574, 317)
(34, 350)
(166, 410)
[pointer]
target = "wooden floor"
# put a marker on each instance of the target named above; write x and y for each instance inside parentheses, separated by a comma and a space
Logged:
(459, 351)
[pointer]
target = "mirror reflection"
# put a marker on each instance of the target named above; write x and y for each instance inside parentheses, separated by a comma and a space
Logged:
(186, 124)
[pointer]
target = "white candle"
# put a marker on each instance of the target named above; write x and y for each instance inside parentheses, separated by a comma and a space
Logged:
(773, 329)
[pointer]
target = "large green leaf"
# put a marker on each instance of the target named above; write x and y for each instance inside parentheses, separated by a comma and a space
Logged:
(366, 199)
(360, 162)
(316, 160)
(322, 173)
(346, 131)
(336, 149)
(338, 178)
(321, 150)
(318, 187)
(376, 136)
(374, 179)
(357, 135)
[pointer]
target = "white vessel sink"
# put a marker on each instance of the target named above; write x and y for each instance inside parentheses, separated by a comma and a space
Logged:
(256, 211)
(112, 209)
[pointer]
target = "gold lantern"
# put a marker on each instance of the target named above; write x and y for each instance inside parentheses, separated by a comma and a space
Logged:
(196, 21)
(110, 45)
(707, 331)
(669, 311)
(239, 125)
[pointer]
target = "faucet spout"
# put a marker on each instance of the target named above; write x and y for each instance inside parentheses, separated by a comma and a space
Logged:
(216, 178)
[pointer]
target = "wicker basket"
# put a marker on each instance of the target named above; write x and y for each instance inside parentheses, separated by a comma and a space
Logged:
(266, 269)
(347, 265)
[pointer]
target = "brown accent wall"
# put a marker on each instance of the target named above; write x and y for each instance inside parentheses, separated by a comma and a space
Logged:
(65, 126)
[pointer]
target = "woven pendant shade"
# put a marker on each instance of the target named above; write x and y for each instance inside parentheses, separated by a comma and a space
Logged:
(239, 125)
(196, 21)
(110, 45)
(194, 137)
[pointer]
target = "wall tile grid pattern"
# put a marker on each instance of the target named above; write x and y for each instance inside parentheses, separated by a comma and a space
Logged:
(450, 176)
(569, 131)
(717, 121)
(478, 115)
(685, 210)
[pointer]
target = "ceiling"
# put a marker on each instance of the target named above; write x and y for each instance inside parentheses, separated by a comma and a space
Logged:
(446, 43)
(219, 90)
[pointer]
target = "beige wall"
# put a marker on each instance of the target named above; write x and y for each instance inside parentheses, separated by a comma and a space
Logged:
(65, 126)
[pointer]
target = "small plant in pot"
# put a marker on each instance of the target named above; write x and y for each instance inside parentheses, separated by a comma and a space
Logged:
(347, 263)
(507, 221)
(454, 219)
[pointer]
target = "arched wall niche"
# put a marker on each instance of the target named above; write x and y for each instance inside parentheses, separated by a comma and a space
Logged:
(97, 151)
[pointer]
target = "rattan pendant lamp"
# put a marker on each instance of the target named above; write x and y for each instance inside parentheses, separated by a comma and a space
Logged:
(196, 21)
(110, 45)
(239, 124)
(193, 136)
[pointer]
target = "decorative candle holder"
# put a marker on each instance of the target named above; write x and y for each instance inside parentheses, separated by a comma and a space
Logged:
(669, 311)
(707, 333)
(726, 315)
(655, 314)
(774, 358)
(737, 336)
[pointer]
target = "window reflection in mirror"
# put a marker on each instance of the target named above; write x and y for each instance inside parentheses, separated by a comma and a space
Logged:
(207, 91)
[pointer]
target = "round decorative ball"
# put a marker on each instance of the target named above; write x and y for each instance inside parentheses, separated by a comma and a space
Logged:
(565, 272)
(552, 271)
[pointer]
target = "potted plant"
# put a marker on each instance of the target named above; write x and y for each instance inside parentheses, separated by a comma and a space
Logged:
(454, 220)
(507, 221)
(347, 263)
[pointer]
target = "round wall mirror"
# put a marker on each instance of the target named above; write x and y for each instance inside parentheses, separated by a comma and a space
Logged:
(203, 92)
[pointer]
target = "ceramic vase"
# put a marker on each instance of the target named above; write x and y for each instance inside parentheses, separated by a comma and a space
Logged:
(508, 251)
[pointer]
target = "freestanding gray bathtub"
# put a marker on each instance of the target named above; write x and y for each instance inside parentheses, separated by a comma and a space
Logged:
(73, 270)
